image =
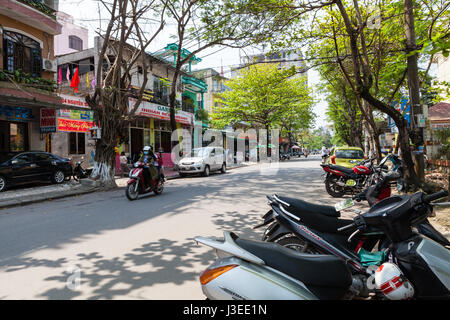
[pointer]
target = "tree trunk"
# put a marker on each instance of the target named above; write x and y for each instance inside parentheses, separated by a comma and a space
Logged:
(104, 164)
(172, 99)
(413, 83)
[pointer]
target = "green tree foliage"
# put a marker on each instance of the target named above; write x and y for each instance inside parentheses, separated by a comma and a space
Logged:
(266, 97)
(315, 139)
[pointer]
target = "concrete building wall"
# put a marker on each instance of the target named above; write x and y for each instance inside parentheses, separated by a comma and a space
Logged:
(443, 70)
(211, 76)
(46, 40)
(69, 29)
(35, 136)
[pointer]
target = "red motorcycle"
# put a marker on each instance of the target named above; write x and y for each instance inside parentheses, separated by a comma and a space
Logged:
(136, 185)
(341, 180)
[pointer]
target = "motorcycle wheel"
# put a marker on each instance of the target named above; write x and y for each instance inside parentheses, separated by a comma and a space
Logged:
(332, 188)
(297, 244)
(130, 193)
(160, 187)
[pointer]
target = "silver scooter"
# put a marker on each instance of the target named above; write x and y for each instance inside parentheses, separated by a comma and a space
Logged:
(256, 270)
(271, 272)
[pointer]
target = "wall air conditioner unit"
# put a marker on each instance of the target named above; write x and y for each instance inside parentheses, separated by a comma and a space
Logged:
(49, 65)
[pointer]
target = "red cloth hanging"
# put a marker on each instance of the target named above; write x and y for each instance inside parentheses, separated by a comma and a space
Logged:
(75, 81)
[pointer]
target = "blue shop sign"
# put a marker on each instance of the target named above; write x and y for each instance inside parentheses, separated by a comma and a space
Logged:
(16, 113)
(403, 107)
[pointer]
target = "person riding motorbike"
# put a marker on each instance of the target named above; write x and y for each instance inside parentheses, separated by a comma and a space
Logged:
(324, 153)
(149, 159)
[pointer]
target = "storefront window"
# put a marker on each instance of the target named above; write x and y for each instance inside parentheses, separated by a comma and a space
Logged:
(77, 142)
(17, 136)
(166, 144)
(147, 138)
(157, 140)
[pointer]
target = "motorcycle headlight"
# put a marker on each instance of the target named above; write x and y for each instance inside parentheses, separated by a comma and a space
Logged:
(136, 165)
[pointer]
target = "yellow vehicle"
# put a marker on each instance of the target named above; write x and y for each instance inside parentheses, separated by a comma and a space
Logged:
(346, 156)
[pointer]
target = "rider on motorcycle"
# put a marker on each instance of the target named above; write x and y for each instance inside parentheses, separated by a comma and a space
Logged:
(324, 153)
(149, 159)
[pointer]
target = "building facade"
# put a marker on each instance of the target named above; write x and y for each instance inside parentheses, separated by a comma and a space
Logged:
(152, 124)
(73, 38)
(216, 85)
(443, 71)
(284, 59)
(27, 68)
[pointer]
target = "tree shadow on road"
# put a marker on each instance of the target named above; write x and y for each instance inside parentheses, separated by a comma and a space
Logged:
(163, 261)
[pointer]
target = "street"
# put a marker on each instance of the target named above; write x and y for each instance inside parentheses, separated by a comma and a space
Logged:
(117, 249)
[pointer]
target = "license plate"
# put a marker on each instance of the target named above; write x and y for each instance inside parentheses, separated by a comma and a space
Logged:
(347, 203)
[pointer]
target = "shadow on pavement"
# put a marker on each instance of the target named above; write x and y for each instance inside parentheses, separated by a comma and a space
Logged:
(164, 260)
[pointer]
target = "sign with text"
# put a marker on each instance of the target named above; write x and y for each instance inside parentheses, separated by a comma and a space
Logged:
(76, 114)
(15, 113)
(74, 101)
(48, 120)
(74, 125)
(153, 110)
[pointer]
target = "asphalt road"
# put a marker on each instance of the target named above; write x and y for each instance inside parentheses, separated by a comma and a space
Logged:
(102, 246)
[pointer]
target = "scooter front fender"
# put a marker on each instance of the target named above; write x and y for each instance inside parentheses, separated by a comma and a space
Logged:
(248, 281)
(132, 181)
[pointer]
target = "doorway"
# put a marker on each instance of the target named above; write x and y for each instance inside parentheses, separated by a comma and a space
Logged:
(137, 140)
(4, 137)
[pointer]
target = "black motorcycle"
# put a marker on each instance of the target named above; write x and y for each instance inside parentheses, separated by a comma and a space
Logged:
(312, 228)
(79, 172)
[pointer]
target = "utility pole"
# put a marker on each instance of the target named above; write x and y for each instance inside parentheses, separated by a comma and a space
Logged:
(413, 85)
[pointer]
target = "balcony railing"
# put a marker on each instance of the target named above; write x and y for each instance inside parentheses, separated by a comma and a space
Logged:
(26, 80)
(40, 6)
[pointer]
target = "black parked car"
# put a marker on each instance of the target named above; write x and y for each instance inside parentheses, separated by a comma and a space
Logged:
(33, 166)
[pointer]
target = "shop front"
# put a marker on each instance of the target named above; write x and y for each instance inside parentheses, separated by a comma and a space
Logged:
(153, 128)
(17, 129)
(66, 129)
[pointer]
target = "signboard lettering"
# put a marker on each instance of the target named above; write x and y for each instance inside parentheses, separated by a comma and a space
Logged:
(16, 113)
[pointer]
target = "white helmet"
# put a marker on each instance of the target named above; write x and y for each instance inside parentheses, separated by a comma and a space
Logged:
(391, 281)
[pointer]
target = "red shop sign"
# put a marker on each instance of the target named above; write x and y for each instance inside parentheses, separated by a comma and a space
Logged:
(74, 125)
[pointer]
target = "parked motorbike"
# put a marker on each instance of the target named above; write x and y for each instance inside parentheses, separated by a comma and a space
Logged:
(284, 156)
(321, 220)
(417, 267)
(136, 184)
(79, 172)
(340, 180)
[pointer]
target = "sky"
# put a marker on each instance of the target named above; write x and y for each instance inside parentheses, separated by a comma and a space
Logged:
(87, 14)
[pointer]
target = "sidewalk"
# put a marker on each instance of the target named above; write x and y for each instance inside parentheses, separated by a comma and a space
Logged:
(19, 197)
(23, 196)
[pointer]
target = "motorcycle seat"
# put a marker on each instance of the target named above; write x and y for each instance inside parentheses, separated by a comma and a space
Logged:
(341, 168)
(302, 207)
(326, 276)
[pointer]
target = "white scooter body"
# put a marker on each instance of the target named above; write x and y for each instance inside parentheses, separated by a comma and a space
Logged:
(251, 279)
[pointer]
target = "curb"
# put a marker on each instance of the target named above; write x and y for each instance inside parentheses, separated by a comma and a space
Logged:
(71, 193)
(18, 203)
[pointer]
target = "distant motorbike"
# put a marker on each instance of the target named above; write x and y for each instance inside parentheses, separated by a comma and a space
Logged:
(284, 156)
(79, 172)
(136, 184)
